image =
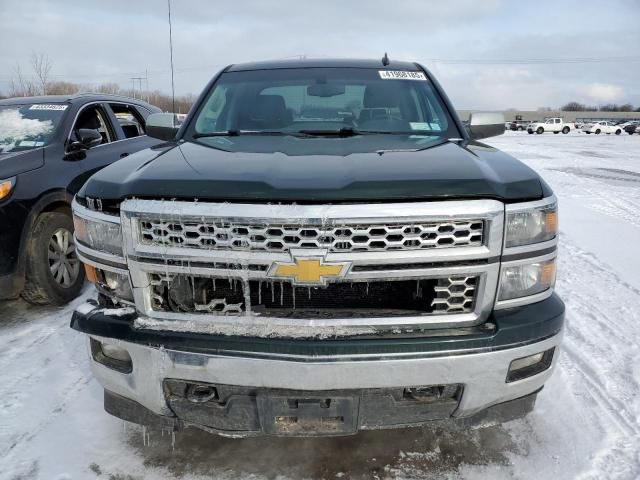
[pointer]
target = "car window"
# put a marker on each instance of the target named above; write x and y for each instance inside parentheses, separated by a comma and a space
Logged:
(28, 126)
(130, 120)
(208, 119)
(93, 117)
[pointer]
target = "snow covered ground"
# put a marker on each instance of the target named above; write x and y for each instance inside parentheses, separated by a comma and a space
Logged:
(586, 423)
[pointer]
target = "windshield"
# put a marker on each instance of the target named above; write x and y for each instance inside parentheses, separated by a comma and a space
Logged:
(28, 126)
(328, 103)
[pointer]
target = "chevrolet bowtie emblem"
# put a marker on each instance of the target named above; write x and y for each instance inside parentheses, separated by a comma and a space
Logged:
(310, 270)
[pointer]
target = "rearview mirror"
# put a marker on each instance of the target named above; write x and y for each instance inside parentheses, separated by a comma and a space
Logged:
(325, 90)
(163, 126)
(486, 124)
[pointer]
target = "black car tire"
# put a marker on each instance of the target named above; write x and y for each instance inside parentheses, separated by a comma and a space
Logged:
(598, 132)
(41, 286)
(565, 130)
(540, 130)
(530, 132)
(555, 133)
(618, 132)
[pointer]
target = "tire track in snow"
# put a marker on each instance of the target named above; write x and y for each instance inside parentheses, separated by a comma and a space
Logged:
(601, 345)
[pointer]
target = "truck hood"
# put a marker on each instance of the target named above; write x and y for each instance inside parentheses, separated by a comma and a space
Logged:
(195, 171)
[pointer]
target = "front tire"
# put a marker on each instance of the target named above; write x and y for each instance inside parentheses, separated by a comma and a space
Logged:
(565, 130)
(598, 132)
(540, 130)
(54, 274)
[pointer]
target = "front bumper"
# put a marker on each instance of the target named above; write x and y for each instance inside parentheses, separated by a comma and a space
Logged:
(363, 377)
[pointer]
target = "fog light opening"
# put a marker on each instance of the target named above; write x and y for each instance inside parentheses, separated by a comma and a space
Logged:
(111, 356)
(530, 365)
(201, 393)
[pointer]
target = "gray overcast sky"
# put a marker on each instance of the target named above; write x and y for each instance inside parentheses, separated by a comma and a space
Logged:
(590, 50)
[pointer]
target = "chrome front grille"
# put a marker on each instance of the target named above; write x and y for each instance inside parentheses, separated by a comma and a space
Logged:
(220, 235)
(402, 265)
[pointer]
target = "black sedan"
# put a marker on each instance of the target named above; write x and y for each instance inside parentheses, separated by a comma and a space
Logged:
(49, 146)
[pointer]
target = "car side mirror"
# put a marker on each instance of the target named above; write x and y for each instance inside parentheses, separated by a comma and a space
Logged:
(486, 124)
(87, 138)
(163, 126)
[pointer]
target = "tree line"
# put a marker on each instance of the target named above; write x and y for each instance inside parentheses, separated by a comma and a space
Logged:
(40, 83)
(609, 107)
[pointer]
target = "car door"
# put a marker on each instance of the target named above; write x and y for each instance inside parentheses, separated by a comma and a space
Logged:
(94, 116)
(557, 125)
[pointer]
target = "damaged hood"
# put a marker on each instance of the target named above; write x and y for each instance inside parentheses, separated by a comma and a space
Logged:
(196, 171)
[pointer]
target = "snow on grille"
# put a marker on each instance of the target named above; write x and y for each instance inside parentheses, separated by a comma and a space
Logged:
(218, 235)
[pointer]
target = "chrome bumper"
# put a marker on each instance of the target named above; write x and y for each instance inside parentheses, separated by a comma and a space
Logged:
(482, 374)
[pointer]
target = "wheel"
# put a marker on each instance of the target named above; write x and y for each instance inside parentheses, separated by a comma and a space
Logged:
(555, 133)
(539, 130)
(565, 130)
(53, 271)
(588, 133)
(631, 132)
(530, 132)
(618, 132)
(598, 132)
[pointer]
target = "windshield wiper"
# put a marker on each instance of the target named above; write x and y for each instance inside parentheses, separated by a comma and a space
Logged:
(340, 132)
(235, 133)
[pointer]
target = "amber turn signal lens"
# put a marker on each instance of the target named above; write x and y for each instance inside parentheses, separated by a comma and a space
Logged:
(548, 273)
(90, 273)
(551, 221)
(5, 188)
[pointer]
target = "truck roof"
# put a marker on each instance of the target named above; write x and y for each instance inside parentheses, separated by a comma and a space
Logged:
(323, 63)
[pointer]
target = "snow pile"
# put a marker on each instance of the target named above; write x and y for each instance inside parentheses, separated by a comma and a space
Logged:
(15, 128)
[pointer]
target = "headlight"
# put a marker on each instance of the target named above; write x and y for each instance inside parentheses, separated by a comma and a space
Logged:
(99, 235)
(527, 279)
(6, 186)
(528, 225)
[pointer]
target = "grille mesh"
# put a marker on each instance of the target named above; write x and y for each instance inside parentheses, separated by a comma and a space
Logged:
(205, 295)
(218, 235)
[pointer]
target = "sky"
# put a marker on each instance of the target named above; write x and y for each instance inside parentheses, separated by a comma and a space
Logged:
(489, 54)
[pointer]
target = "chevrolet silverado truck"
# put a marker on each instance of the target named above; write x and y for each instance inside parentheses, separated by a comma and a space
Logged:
(320, 248)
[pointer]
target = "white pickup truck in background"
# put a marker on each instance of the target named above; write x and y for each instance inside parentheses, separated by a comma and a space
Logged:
(555, 125)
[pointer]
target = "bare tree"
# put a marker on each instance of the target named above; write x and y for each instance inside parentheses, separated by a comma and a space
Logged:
(41, 65)
(21, 86)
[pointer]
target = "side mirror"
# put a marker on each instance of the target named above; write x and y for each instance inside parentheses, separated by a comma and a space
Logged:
(87, 138)
(484, 125)
(163, 126)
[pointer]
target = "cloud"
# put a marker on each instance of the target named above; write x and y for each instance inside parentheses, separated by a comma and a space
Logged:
(604, 92)
(98, 42)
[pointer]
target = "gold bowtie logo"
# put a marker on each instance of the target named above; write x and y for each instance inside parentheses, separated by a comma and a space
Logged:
(308, 271)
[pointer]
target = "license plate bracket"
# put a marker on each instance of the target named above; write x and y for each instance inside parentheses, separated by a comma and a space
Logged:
(308, 415)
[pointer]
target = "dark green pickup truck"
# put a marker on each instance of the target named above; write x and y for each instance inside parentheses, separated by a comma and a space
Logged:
(321, 248)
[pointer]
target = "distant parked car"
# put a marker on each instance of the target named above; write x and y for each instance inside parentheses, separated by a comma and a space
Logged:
(518, 125)
(49, 146)
(602, 127)
(555, 125)
(630, 127)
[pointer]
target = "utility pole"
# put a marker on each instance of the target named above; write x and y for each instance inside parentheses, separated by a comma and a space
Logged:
(133, 85)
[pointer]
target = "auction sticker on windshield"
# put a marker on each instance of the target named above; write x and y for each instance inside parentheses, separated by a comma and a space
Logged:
(48, 107)
(401, 75)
